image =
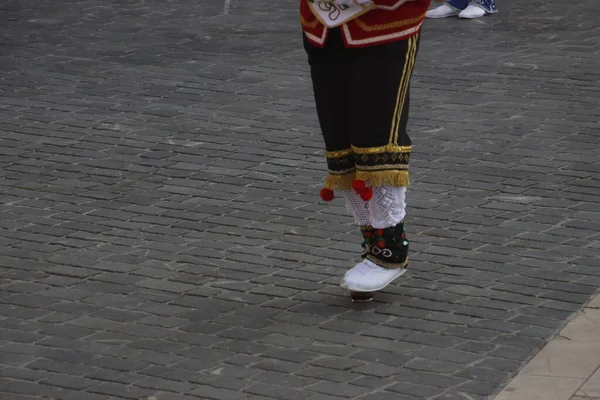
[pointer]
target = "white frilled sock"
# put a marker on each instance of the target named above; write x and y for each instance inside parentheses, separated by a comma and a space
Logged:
(357, 207)
(387, 206)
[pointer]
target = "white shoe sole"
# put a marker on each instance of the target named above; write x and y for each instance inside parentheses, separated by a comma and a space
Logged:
(355, 289)
(442, 16)
(464, 15)
(471, 16)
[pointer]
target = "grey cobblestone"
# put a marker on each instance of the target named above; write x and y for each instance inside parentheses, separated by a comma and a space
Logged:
(370, 381)
(161, 235)
(418, 391)
(341, 389)
(475, 388)
(330, 375)
(269, 391)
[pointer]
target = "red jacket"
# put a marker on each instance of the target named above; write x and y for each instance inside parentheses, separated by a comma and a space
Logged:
(375, 27)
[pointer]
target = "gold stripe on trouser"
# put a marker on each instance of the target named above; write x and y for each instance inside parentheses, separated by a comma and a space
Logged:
(413, 60)
(409, 64)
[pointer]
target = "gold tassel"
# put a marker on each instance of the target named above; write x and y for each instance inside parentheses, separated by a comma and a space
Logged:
(339, 182)
(384, 178)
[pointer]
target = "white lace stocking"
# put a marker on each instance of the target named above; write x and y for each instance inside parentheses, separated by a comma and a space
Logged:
(387, 206)
(357, 207)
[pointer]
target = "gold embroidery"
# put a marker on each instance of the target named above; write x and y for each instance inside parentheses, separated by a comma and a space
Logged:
(380, 38)
(338, 153)
(308, 24)
(391, 25)
(389, 148)
(343, 172)
(384, 167)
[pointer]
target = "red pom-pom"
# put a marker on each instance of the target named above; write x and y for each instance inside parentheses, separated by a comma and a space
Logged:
(326, 194)
(358, 185)
(366, 194)
(380, 232)
(381, 244)
(368, 234)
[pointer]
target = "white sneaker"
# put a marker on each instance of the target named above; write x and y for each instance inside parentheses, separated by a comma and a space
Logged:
(472, 12)
(368, 277)
(442, 11)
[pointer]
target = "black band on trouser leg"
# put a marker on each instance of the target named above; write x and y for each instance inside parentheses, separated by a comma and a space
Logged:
(362, 100)
(331, 79)
(389, 247)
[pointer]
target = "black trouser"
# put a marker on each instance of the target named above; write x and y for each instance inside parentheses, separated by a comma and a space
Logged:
(362, 101)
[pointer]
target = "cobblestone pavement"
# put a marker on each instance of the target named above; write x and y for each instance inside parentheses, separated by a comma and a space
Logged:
(162, 236)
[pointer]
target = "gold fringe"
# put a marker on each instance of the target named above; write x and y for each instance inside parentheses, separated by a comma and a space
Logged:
(340, 182)
(383, 178)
